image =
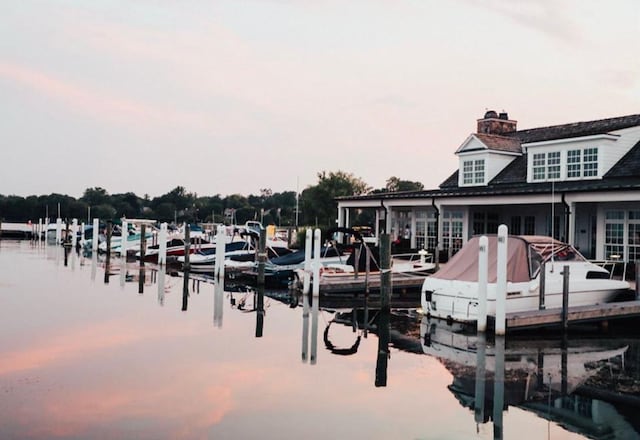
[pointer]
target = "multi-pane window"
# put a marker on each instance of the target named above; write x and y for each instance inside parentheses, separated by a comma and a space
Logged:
(473, 172)
(530, 225)
(582, 163)
(452, 227)
(426, 230)
(590, 161)
(539, 166)
(553, 165)
(614, 234)
(574, 163)
(467, 172)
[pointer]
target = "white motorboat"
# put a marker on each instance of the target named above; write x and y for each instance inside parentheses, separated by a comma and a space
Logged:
(452, 292)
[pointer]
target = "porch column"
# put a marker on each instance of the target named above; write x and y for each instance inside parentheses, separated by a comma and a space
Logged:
(340, 216)
(346, 219)
(570, 218)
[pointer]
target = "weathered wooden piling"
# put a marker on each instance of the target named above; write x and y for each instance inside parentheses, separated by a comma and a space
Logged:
(108, 258)
(542, 287)
(262, 256)
(187, 247)
(385, 271)
(143, 243)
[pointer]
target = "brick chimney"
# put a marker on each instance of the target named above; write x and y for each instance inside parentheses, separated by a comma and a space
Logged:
(494, 123)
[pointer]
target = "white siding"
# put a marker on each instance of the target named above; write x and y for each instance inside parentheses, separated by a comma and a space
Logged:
(493, 164)
(610, 151)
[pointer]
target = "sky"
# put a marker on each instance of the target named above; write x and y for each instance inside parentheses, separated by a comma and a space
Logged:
(235, 96)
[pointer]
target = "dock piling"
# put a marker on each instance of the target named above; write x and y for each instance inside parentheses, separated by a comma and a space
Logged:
(483, 265)
(187, 247)
(218, 268)
(316, 263)
(501, 281)
(124, 235)
(385, 271)
(96, 231)
(162, 244)
(307, 262)
(262, 256)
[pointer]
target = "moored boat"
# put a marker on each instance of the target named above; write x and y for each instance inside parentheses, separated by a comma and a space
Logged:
(452, 292)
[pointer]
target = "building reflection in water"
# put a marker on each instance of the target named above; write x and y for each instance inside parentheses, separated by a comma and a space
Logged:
(541, 376)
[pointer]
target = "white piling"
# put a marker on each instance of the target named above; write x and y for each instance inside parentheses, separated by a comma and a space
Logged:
(307, 262)
(74, 231)
(58, 230)
(501, 281)
(481, 348)
(316, 263)
(82, 235)
(95, 235)
(124, 235)
(483, 265)
(162, 244)
(221, 242)
(39, 229)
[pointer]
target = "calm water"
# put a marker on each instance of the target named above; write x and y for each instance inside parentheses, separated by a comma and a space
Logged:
(81, 358)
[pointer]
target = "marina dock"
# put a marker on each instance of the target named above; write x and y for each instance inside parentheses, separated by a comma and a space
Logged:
(581, 314)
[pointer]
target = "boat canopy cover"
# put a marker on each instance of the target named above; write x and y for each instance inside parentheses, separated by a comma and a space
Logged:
(463, 266)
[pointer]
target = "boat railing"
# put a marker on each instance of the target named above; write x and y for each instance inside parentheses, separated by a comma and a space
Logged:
(611, 264)
(421, 256)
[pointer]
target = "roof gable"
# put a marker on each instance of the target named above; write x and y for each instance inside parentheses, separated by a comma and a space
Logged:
(491, 142)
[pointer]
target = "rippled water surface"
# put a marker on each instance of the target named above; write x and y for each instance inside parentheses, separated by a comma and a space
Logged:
(84, 355)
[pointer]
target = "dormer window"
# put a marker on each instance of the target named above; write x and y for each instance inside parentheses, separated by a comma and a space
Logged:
(546, 166)
(582, 163)
(473, 172)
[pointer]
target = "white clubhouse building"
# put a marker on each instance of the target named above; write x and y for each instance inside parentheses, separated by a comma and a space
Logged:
(579, 182)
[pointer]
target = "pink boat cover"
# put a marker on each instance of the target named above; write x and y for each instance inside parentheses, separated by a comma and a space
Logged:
(463, 266)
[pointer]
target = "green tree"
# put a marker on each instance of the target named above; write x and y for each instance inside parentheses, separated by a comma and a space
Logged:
(317, 202)
(395, 184)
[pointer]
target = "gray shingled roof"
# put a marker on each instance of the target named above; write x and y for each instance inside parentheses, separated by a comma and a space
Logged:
(500, 143)
(576, 129)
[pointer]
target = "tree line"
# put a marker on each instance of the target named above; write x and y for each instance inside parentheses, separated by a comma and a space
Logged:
(315, 205)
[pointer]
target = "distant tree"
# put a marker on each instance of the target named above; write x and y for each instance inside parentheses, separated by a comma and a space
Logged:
(95, 196)
(318, 204)
(395, 184)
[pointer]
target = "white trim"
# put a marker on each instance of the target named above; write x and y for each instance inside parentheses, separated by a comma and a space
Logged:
(605, 136)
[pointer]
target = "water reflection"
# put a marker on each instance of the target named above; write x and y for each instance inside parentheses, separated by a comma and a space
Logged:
(218, 302)
(185, 290)
(542, 376)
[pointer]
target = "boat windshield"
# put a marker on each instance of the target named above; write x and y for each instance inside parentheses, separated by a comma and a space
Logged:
(542, 251)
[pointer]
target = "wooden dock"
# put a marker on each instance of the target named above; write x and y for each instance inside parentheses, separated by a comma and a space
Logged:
(579, 314)
(341, 285)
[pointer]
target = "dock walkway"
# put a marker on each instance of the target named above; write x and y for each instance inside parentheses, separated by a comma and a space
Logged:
(591, 313)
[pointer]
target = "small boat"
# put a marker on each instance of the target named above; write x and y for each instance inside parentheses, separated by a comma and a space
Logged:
(175, 248)
(452, 292)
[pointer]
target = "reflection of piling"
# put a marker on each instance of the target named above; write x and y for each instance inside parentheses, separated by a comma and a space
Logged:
(305, 326)
(124, 238)
(480, 378)
(385, 270)
(314, 329)
(185, 290)
(382, 361)
(260, 310)
(498, 388)
(565, 298)
(161, 275)
(218, 302)
(141, 277)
